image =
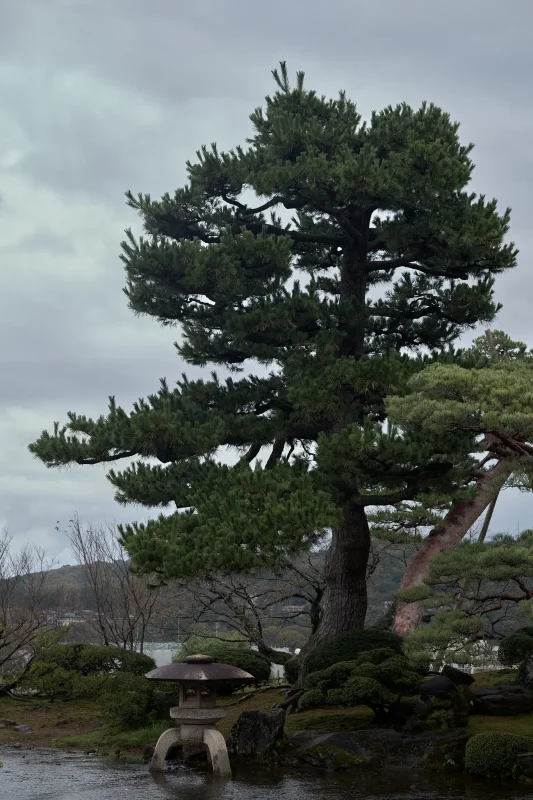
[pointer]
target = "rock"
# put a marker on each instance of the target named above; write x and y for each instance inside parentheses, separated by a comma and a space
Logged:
(457, 676)
(194, 753)
(256, 734)
(503, 701)
(525, 673)
(442, 706)
(7, 723)
(23, 728)
(402, 710)
(439, 685)
(376, 746)
(148, 752)
(525, 764)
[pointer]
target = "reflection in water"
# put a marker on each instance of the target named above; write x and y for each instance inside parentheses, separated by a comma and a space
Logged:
(51, 775)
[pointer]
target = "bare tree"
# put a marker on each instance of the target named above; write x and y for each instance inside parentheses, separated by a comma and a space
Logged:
(124, 604)
(25, 602)
(258, 608)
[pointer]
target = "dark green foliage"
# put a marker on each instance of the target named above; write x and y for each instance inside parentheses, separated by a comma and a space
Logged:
(291, 669)
(516, 647)
(509, 678)
(375, 679)
(71, 671)
(237, 656)
(348, 646)
(57, 683)
(90, 659)
(131, 701)
(494, 755)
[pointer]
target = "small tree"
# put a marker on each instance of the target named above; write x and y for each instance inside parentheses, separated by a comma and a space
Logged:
(124, 604)
(259, 607)
(491, 406)
(477, 593)
(25, 601)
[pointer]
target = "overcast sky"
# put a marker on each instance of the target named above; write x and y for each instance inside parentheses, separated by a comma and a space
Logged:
(101, 96)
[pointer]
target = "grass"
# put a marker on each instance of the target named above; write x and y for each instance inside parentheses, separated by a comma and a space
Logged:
(50, 722)
(522, 725)
(494, 677)
(104, 740)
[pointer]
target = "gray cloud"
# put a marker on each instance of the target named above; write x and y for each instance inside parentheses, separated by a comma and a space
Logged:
(100, 96)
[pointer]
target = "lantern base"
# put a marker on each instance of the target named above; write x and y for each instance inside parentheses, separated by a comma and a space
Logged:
(213, 740)
(195, 725)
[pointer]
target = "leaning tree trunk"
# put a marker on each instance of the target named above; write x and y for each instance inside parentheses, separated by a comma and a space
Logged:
(455, 525)
(345, 595)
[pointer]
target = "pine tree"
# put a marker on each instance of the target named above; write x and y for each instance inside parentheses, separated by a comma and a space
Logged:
(491, 401)
(378, 204)
(476, 594)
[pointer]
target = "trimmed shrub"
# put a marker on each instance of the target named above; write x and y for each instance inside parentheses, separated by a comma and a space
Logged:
(375, 679)
(291, 669)
(516, 647)
(90, 659)
(205, 645)
(130, 701)
(495, 754)
(56, 683)
(236, 656)
(74, 671)
(348, 646)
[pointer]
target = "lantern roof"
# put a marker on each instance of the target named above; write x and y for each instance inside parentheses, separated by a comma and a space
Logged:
(199, 668)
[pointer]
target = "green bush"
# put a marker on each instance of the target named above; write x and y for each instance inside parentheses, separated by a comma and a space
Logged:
(205, 645)
(348, 646)
(291, 669)
(131, 701)
(74, 671)
(516, 647)
(495, 754)
(56, 683)
(90, 659)
(375, 679)
(236, 656)
(509, 679)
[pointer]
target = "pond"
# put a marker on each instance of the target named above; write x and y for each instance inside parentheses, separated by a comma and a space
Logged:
(54, 775)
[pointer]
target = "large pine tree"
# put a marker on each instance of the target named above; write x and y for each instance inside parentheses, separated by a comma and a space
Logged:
(293, 302)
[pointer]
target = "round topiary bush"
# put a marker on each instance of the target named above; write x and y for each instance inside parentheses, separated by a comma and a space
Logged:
(249, 660)
(71, 671)
(376, 679)
(349, 646)
(516, 647)
(236, 656)
(130, 701)
(291, 669)
(495, 754)
(91, 659)
(49, 680)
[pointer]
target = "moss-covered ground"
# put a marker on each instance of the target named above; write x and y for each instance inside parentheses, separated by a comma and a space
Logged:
(79, 725)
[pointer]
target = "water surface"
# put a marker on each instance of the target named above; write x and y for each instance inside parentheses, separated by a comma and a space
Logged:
(53, 775)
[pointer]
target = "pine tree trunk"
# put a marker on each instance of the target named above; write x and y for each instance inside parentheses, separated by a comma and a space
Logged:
(345, 596)
(455, 525)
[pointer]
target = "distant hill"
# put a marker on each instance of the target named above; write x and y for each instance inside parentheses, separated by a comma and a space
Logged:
(70, 583)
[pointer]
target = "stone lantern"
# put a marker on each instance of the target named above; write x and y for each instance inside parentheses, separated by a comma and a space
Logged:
(196, 716)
